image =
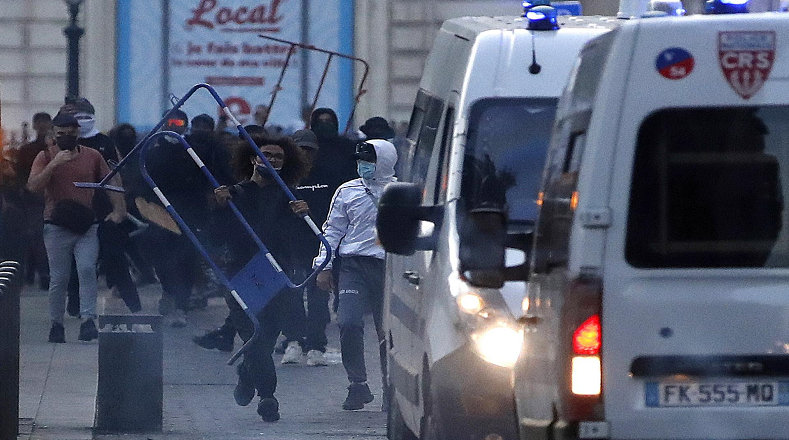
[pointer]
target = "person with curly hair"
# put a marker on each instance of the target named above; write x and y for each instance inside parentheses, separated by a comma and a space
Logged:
(275, 219)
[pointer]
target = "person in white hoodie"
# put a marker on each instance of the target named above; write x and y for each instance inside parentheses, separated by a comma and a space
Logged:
(350, 231)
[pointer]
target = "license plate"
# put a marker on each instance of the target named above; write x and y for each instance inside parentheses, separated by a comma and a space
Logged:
(718, 393)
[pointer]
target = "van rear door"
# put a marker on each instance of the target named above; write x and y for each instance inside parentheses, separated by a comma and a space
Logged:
(695, 315)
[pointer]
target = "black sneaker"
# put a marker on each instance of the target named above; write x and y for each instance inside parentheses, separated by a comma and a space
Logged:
(268, 409)
(220, 339)
(358, 395)
(88, 331)
(57, 334)
(245, 388)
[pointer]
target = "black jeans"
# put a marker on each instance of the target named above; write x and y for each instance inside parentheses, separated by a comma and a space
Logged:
(307, 327)
(258, 359)
(175, 260)
(361, 291)
(113, 262)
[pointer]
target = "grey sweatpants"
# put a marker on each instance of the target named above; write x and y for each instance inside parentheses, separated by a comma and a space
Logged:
(361, 291)
(62, 245)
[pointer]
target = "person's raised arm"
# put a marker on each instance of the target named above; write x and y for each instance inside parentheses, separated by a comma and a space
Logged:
(41, 171)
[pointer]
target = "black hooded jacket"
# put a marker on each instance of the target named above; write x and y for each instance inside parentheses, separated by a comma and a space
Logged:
(334, 165)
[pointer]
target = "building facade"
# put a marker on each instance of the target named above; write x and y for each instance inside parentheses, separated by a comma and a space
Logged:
(33, 60)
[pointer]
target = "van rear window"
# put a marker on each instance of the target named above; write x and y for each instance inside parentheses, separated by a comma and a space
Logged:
(708, 189)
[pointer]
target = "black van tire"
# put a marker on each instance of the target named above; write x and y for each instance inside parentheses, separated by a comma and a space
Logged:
(396, 428)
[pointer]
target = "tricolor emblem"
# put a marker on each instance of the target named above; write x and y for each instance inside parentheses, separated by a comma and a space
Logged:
(746, 58)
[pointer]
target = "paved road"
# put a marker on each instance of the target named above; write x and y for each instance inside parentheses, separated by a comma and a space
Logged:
(59, 385)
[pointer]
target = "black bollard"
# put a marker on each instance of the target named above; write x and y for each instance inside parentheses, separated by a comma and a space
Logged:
(130, 391)
(13, 242)
(10, 288)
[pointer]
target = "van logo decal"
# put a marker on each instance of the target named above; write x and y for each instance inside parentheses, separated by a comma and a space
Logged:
(675, 63)
(746, 59)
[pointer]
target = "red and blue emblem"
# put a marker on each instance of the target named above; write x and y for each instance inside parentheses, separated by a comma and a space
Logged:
(675, 63)
(746, 59)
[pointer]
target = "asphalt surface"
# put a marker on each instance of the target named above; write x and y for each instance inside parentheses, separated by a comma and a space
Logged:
(59, 383)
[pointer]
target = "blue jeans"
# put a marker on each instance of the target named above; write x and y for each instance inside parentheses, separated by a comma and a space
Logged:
(63, 246)
(361, 291)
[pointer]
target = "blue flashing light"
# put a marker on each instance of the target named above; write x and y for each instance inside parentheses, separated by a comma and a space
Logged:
(726, 7)
(542, 18)
(529, 4)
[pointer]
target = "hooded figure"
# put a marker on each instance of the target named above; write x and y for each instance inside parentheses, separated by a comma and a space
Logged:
(350, 231)
(333, 165)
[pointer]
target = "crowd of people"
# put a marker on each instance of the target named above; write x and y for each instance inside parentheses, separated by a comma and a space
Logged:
(76, 234)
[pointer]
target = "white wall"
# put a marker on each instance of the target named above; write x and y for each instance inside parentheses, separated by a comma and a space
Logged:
(33, 60)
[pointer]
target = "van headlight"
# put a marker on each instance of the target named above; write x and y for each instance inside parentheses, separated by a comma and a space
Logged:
(484, 315)
(499, 344)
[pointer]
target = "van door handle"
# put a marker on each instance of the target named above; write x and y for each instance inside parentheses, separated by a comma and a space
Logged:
(412, 277)
(530, 320)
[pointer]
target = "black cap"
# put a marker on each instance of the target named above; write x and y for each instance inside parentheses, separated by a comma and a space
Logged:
(365, 151)
(377, 128)
(65, 120)
(306, 138)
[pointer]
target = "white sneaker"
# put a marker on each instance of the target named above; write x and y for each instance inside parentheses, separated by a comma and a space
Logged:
(178, 319)
(316, 358)
(292, 353)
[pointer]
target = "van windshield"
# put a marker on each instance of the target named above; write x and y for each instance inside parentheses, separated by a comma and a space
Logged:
(505, 154)
(708, 189)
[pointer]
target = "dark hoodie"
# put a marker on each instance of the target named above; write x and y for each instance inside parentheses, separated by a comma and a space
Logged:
(334, 165)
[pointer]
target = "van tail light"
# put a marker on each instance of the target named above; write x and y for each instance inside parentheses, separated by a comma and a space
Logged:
(588, 337)
(582, 333)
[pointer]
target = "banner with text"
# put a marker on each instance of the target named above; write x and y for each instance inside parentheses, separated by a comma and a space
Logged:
(217, 42)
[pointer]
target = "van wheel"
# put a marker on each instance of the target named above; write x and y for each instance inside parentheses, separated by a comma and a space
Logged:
(396, 428)
(429, 427)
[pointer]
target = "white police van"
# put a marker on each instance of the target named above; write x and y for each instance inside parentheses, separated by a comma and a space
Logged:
(478, 134)
(658, 304)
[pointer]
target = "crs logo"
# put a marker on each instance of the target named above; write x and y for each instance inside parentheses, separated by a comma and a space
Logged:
(746, 59)
(239, 107)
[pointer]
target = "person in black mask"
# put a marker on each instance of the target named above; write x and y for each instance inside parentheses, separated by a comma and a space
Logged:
(124, 136)
(216, 157)
(172, 254)
(112, 261)
(333, 164)
(70, 220)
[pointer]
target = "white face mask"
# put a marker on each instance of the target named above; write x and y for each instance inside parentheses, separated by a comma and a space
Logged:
(86, 124)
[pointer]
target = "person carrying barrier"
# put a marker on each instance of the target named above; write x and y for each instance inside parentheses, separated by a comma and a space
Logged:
(350, 231)
(71, 229)
(275, 219)
(332, 165)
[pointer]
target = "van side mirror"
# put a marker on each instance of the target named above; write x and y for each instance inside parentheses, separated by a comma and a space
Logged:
(484, 240)
(400, 212)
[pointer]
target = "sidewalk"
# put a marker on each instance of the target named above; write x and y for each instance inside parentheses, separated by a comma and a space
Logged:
(59, 381)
